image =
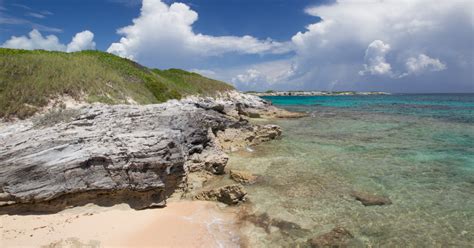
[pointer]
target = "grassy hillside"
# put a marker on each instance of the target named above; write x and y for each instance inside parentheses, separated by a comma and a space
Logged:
(29, 79)
(190, 82)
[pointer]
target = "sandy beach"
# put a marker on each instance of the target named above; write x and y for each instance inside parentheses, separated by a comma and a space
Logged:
(180, 224)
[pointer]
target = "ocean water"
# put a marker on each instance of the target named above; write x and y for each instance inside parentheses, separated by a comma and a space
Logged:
(418, 150)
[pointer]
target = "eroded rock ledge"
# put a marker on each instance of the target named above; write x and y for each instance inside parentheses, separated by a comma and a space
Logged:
(128, 153)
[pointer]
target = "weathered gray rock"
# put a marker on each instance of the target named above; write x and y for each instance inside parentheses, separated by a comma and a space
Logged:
(117, 150)
(230, 194)
(235, 104)
(212, 158)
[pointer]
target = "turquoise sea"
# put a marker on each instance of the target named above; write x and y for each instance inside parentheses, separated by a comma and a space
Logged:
(418, 150)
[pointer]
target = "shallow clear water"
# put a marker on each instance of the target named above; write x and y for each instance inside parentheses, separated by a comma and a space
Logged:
(416, 149)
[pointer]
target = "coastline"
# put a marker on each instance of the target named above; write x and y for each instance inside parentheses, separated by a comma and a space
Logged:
(312, 187)
(318, 93)
(180, 224)
(362, 177)
(168, 180)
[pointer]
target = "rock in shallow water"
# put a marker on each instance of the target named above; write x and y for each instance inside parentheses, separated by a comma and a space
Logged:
(230, 194)
(244, 177)
(371, 200)
(337, 237)
(232, 139)
(268, 223)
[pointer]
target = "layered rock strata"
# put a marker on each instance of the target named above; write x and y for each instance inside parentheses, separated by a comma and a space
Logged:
(128, 153)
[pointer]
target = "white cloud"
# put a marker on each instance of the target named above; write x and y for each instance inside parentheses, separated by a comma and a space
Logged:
(35, 40)
(358, 45)
(424, 63)
(350, 36)
(82, 41)
(10, 20)
(36, 15)
(7, 18)
(375, 59)
(250, 76)
(163, 32)
(46, 12)
(21, 6)
(264, 75)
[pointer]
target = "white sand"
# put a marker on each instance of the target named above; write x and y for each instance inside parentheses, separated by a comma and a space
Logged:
(180, 224)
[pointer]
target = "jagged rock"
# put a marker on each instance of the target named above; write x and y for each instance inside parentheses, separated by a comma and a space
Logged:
(337, 237)
(232, 139)
(245, 110)
(123, 150)
(212, 159)
(371, 200)
(211, 104)
(267, 132)
(237, 104)
(230, 194)
(242, 177)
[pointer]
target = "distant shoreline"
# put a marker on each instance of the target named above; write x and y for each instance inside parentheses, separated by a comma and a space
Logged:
(316, 93)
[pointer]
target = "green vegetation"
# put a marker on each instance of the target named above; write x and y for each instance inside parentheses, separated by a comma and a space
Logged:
(54, 116)
(190, 83)
(29, 79)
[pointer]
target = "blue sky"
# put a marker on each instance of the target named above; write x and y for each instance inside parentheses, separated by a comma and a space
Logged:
(391, 45)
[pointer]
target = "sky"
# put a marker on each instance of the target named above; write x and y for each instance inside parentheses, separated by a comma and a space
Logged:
(405, 46)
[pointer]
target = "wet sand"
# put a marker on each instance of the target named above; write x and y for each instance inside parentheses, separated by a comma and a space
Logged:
(180, 224)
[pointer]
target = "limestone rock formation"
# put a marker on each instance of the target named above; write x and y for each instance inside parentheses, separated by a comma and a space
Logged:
(230, 194)
(124, 151)
(232, 139)
(243, 177)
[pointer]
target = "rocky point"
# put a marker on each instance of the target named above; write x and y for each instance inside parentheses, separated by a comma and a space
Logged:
(126, 153)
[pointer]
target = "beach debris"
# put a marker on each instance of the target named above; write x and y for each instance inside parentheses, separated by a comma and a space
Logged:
(41, 227)
(337, 237)
(243, 177)
(230, 194)
(74, 242)
(368, 199)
